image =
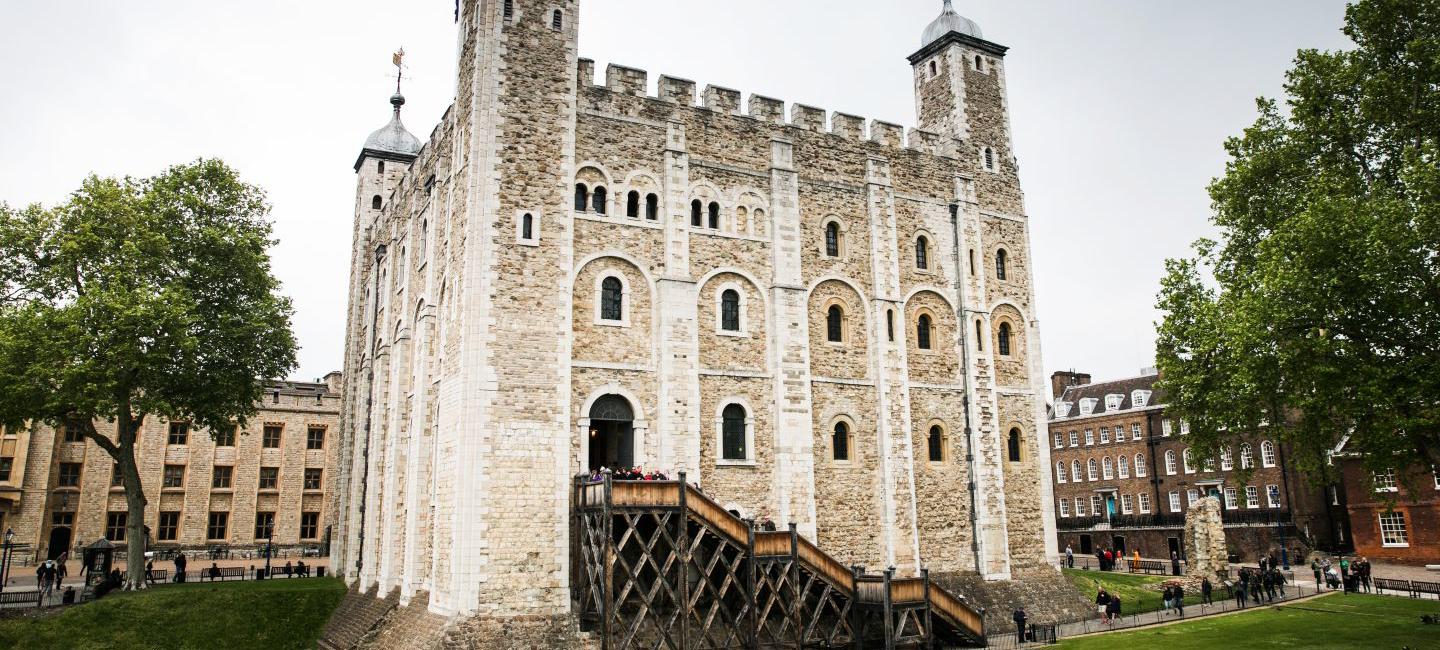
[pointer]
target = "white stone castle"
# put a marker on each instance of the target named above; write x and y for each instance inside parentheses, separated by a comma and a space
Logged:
(820, 320)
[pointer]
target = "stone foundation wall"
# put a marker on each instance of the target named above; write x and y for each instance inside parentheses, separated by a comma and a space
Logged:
(358, 614)
(1046, 595)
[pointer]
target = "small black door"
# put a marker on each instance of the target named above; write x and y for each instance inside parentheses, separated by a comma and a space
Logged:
(1118, 543)
(612, 434)
(59, 542)
(1175, 548)
(1086, 546)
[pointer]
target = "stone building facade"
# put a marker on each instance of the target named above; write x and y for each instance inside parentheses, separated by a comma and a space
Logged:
(272, 481)
(1124, 477)
(822, 320)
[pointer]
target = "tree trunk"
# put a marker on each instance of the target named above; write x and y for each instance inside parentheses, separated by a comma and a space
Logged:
(135, 541)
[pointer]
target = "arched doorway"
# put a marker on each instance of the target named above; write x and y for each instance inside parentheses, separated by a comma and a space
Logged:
(612, 433)
(59, 542)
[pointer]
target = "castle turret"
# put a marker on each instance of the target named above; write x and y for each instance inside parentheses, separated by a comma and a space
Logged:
(959, 82)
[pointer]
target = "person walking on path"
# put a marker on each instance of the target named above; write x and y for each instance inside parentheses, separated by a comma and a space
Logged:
(1069, 557)
(1166, 599)
(1113, 609)
(1205, 591)
(1174, 563)
(1179, 596)
(1315, 568)
(180, 567)
(1102, 606)
(1239, 589)
(149, 572)
(1019, 618)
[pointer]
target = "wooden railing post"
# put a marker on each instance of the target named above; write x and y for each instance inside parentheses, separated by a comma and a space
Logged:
(683, 539)
(796, 623)
(750, 595)
(857, 633)
(886, 607)
(929, 620)
(608, 568)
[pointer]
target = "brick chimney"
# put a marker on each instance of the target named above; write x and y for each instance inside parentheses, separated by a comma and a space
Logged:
(1065, 379)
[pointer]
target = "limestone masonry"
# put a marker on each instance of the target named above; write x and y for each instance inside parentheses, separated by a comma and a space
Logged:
(820, 319)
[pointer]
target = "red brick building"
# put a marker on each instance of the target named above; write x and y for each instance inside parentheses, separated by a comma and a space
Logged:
(1393, 516)
(1124, 476)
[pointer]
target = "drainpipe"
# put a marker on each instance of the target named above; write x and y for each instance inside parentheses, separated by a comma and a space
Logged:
(369, 404)
(963, 326)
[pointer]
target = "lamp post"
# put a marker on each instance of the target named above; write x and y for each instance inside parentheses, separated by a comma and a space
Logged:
(269, 550)
(5, 558)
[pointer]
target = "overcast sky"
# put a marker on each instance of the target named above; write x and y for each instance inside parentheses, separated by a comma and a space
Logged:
(1119, 108)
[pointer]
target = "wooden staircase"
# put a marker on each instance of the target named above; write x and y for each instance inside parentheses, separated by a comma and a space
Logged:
(658, 565)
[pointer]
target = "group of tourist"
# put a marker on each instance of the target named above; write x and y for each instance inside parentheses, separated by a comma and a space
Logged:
(1259, 586)
(1353, 577)
(1173, 598)
(50, 574)
(1108, 606)
(628, 474)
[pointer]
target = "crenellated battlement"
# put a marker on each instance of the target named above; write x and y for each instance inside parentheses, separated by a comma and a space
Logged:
(625, 81)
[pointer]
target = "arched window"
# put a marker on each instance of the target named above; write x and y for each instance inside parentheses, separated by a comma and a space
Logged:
(832, 239)
(1092, 470)
(695, 209)
(730, 310)
(989, 159)
(1140, 465)
(841, 441)
(1075, 471)
(835, 324)
(632, 204)
(922, 253)
(582, 197)
(1060, 471)
(1014, 445)
(375, 203)
(890, 324)
(1122, 466)
(527, 226)
(979, 63)
(1000, 264)
(714, 216)
(1170, 466)
(935, 442)
(1267, 454)
(1108, 468)
(1002, 343)
(598, 200)
(557, 20)
(933, 69)
(922, 332)
(509, 8)
(652, 207)
(733, 428)
(1247, 459)
(612, 299)
(979, 337)
(380, 167)
(1189, 460)
(972, 261)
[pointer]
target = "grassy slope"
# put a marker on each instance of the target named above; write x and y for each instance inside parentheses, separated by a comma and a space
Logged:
(269, 615)
(1330, 622)
(1134, 598)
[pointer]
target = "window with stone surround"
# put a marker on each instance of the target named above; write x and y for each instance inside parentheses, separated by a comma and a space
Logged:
(832, 239)
(1002, 340)
(696, 216)
(599, 199)
(582, 197)
(376, 202)
(922, 332)
(1060, 471)
(1140, 465)
(1064, 508)
(979, 336)
(315, 436)
(509, 11)
(179, 433)
(225, 437)
(1122, 466)
(1127, 504)
(1092, 470)
(936, 443)
(1104, 435)
(714, 214)
(1267, 454)
(890, 324)
(222, 477)
(612, 299)
(72, 433)
(652, 207)
(313, 477)
(1108, 471)
(217, 526)
(115, 525)
(988, 160)
(264, 525)
(271, 435)
(527, 228)
(1075, 474)
(1002, 264)
(922, 253)
(1272, 496)
(557, 20)
(1393, 533)
(1252, 497)
(309, 525)
(1170, 462)
(7, 465)
(169, 527)
(269, 478)
(1144, 503)
(1016, 445)
(1074, 438)
(632, 205)
(835, 324)
(1174, 502)
(174, 477)
(934, 69)
(117, 478)
(840, 442)
(730, 310)
(69, 475)
(733, 433)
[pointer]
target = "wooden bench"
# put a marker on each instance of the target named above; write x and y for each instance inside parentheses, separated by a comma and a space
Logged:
(223, 573)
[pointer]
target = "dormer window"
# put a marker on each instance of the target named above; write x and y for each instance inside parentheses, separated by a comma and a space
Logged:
(1113, 401)
(1087, 405)
(1139, 398)
(1062, 409)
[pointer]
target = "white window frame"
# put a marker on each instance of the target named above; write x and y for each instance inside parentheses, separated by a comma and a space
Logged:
(1122, 466)
(1170, 463)
(1393, 533)
(1227, 459)
(1184, 427)
(1092, 470)
(1136, 432)
(1192, 497)
(1060, 471)
(1165, 428)
(1144, 503)
(1247, 456)
(1174, 501)
(625, 299)
(1064, 508)
(1252, 497)
(1385, 481)
(1104, 435)
(1272, 496)
(1232, 499)
(1188, 460)
(1107, 468)
(1062, 409)
(1076, 476)
(1087, 405)
(1120, 433)
(1074, 438)
(1267, 454)
(1127, 504)
(1140, 466)
(1435, 474)
(1139, 398)
(744, 331)
(1097, 505)
(1089, 437)
(1079, 506)
(1059, 440)
(1113, 402)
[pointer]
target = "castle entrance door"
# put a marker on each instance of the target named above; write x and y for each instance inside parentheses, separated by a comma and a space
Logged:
(59, 542)
(612, 433)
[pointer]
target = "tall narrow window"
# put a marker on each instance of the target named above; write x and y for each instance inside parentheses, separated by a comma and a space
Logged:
(632, 204)
(714, 215)
(598, 199)
(1000, 264)
(730, 310)
(922, 332)
(989, 159)
(1014, 446)
(733, 425)
(652, 207)
(835, 324)
(1002, 340)
(979, 63)
(612, 299)
(509, 8)
(922, 253)
(380, 167)
(557, 20)
(890, 332)
(527, 226)
(582, 197)
(979, 337)
(972, 261)
(841, 441)
(832, 239)
(375, 202)
(935, 441)
(933, 69)
(695, 216)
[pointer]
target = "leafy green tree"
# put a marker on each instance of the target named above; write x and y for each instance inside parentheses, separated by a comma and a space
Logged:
(1316, 314)
(138, 299)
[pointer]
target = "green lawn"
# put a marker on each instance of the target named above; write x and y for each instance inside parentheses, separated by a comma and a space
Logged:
(1334, 621)
(1134, 598)
(269, 615)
